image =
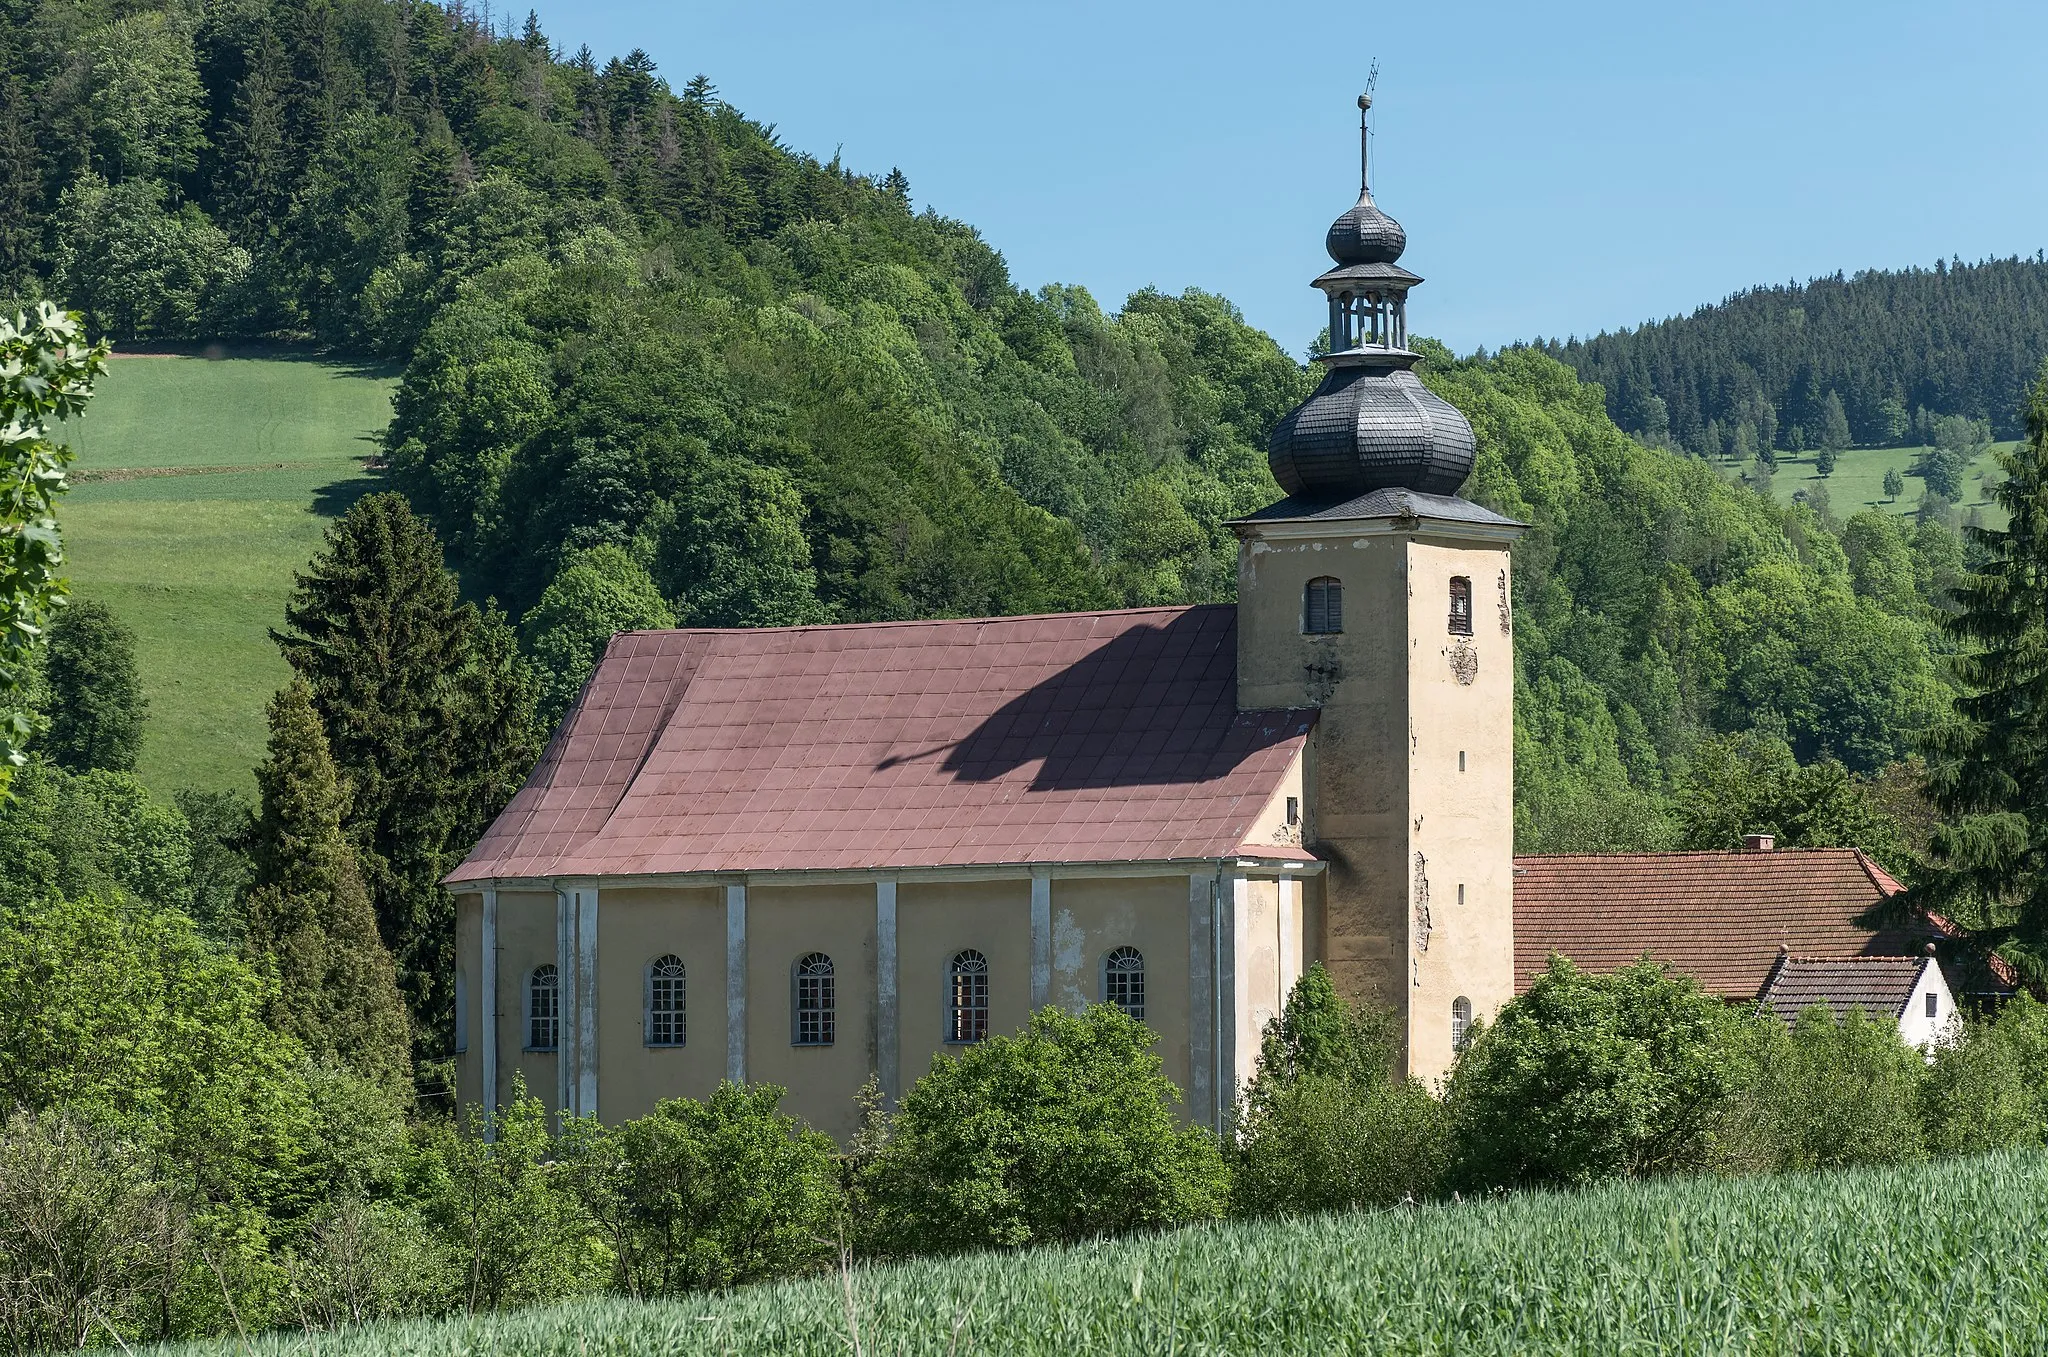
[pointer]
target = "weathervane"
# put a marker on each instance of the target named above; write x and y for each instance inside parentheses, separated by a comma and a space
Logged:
(1372, 78)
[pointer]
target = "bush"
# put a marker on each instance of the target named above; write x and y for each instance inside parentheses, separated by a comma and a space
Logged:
(1588, 1077)
(1323, 1125)
(709, 1194)
(1843, 1092)
(519, 1234)
(1987, 1086)
(1062, 1133)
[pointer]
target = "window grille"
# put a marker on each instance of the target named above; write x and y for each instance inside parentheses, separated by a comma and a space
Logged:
(665, 1001)
(1322, 610)
(1123, 981)
(814, 1021)
(1461, 606)
(543, 1009)
(967, 998)
(1461, 1022)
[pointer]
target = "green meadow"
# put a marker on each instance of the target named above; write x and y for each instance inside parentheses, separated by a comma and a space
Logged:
(200, 486)
(1934, 1258)
(1858, 482)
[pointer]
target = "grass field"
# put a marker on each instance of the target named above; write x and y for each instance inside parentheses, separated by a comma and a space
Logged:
(1858, 482)
(1944, 1258)
(200, 486)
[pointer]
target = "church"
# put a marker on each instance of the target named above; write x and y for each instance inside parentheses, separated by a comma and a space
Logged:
(807, 855)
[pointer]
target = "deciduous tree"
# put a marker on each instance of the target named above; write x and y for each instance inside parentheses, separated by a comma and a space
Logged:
(95, 691)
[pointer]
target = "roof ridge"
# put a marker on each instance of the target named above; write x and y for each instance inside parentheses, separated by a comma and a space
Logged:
(1837, 960)
(1665, 856)
(1161, 609)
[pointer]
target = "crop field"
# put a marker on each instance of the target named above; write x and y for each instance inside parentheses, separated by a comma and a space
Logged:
(1947, 1258)
(200, 486)
(1858, 482)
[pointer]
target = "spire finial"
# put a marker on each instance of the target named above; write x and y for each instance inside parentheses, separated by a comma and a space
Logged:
(1372, 77)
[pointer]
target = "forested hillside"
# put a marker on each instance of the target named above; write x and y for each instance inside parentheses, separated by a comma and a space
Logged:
(1956, 339)
(661, 369)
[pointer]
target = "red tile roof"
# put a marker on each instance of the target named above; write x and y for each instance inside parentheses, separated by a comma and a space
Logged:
(1079, 737)
(1719, 917)
(1879, 985)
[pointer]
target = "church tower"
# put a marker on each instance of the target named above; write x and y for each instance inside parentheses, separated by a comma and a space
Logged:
(1376, 594)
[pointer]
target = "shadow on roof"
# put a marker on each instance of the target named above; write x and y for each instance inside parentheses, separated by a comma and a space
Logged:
(1155, 705)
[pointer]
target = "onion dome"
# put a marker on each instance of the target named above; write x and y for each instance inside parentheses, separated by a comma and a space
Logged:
(1371, 424)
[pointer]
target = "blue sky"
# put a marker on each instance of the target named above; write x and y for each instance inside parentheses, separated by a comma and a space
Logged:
(1560, 168)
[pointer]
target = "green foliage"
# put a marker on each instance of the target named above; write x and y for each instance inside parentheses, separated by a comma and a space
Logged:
(134, 267)
(1844, 1092)
(95, 695)
(518, 1234)
(1061, 1133)
(1750, 784)
(1988, 766)
(599, 592)
(219, 825)
(709, 1194)
(100, 833)
(121, 1014)
(1959, 340)
(46, 373)
(428, 713)
(1894, 484)
(1588, 1077)
(1323, 1124)
(1824, 462)
(1859, 1261)
(309, 923)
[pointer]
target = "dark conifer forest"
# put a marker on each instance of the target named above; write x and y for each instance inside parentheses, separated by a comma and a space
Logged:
(1896, 349)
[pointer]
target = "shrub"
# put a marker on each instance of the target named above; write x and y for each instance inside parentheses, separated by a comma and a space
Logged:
(1843, 1092)
(1323, 1124)
(519, 1235)
(1588, 1077)
(1061, 1133)
(710, 1194)
(1988, 1084)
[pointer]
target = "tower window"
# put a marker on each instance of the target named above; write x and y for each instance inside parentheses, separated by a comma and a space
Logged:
(1933, 1004)
(1293, 810)
(1322, 612)
(967, 997)
(1123, 981)
(665, 1001)
(1461, 1022)
(1461, 760)
(814, 1006)
(543, 1009)
(1461, 606)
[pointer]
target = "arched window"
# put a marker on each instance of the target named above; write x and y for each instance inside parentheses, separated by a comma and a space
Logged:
(1322, 609)
(665, 1022)
(1123, 981)
(813, 1011)
(1461, 1022)
(1461, 606)
(967, 997)
(543, 1009)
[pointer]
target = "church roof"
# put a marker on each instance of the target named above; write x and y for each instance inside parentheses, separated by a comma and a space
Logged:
(1078, 737)
(1719, 917)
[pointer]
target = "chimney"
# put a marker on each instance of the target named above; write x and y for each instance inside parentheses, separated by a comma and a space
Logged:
(1759, 843)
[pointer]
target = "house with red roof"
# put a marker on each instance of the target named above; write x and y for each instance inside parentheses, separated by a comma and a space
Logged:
(812, 855)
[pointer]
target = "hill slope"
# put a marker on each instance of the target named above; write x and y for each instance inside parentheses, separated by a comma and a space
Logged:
(1956, 339)
(1932, 1258)
(200, 487)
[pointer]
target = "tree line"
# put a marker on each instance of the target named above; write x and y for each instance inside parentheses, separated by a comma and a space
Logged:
(1872, 358)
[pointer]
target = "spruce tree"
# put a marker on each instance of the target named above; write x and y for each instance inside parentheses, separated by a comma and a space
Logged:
(95, 695)
(429, 713)
(310, 923)
(1988, 768)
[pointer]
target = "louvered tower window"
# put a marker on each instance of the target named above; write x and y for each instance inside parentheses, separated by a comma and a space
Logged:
(1461, 606)
(1322, 611)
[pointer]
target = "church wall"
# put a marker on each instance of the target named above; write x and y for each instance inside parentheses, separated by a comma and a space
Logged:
(1356, 808)
(526, 939)
(935, 922)
(783, 924)
(469, 1057)
(1092, 916)
(636, 925)
(1462, 832)
(1259, 969)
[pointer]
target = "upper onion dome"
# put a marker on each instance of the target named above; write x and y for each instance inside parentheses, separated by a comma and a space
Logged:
(1365, 235)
